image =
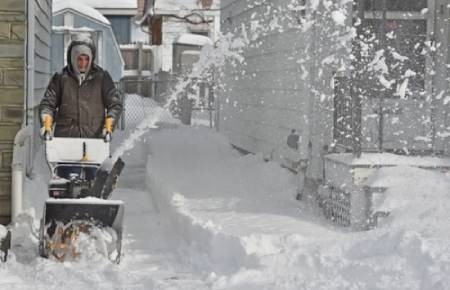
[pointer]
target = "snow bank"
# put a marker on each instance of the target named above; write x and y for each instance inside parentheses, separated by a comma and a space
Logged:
(242, 223)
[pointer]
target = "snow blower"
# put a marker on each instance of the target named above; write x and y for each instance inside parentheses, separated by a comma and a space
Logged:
(79, 209)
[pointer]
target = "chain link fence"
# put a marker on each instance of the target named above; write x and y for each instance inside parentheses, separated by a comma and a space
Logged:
(141, 97)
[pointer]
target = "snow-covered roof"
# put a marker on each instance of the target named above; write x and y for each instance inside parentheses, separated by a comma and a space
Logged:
(194, 39)
(110, 4)
(71, 28)
(61, 5)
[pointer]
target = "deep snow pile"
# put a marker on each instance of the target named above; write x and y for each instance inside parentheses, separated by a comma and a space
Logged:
(243, 224)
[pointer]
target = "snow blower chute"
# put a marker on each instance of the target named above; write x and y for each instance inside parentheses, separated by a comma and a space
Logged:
(83, 175)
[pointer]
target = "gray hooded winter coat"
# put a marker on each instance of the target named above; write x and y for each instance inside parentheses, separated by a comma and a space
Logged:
(79, 108)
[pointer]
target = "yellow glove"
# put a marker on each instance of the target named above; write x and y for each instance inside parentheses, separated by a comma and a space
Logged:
(46, 131)
(107, 130)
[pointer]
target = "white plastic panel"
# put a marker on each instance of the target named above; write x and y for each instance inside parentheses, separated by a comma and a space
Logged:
(70, 150)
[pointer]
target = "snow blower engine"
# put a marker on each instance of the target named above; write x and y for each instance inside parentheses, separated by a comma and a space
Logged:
(79, 212)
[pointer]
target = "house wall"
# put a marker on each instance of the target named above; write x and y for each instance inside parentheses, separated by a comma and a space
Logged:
(21, 89)
(284, 82)
(173, 28)
(42, 44)
(12, 66)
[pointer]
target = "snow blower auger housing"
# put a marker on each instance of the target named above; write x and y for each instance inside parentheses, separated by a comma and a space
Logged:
(83, 176)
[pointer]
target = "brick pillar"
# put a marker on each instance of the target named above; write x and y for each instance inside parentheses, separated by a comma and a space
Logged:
(12, 72)
(140, 6)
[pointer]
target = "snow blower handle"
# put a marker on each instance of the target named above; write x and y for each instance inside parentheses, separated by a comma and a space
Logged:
(107, 130)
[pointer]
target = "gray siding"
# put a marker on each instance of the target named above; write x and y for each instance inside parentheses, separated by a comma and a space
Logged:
(12, 66)
(42, 44)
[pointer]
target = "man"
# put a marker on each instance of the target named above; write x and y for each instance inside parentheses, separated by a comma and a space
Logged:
(82, 99)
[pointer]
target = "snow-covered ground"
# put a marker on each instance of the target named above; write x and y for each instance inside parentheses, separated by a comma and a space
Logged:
(241, 217)
(201, 216)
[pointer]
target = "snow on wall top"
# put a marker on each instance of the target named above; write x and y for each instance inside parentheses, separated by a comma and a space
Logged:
(191, 52)
(194, 39)
(389, 159)
(61, 5)
(176, 5)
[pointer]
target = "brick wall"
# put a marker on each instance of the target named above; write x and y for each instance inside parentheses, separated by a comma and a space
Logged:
(12, 52)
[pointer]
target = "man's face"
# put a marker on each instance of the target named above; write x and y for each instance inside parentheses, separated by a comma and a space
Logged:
(83, 63)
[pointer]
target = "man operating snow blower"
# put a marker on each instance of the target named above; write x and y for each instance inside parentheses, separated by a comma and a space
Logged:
(78, 113)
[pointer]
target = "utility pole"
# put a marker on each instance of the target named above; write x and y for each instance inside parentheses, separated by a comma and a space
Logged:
(356, 80)
(384, 90)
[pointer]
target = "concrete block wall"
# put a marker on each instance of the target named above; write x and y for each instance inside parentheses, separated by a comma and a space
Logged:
(12, 73)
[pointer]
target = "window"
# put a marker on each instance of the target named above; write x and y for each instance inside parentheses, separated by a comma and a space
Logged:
(131, 58)
(404, 54)
(396, 5)
(121, 25)
(146, 59)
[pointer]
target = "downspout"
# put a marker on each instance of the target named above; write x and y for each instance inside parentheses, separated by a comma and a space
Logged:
(18, 165)
(434, 60)
(18, 169)
(29, 84)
